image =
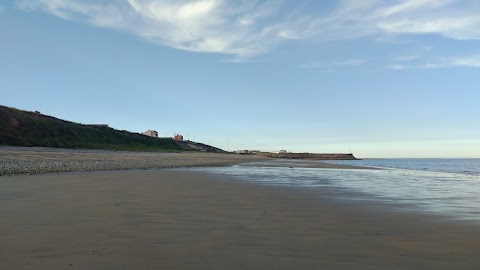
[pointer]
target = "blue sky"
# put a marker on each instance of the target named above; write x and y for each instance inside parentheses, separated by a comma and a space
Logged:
(382, 78)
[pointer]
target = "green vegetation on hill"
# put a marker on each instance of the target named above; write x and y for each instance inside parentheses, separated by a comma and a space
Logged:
(23, 128)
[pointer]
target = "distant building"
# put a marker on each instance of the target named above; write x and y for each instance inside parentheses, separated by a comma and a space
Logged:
(178, 137)
(282, 151)
(243, 152)
(151, 133)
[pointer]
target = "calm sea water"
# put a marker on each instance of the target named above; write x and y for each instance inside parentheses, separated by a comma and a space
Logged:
(449, 187)
(468, 166)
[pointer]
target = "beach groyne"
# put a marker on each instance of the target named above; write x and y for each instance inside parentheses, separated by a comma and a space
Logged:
(310, 156)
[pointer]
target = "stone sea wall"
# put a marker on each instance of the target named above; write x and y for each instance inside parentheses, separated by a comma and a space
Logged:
(311, 156)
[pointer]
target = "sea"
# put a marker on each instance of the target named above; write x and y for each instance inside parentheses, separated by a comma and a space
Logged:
(446, 187)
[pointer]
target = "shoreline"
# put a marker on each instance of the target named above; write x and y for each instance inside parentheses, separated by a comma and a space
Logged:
(38, 160)
(180, 219)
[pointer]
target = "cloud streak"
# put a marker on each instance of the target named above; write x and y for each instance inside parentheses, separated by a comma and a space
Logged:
(248, 28)
(472, 61)
(455, 19)
(211, 26)
(335, 64)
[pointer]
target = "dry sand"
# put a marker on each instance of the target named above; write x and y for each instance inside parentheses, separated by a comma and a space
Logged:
(171, 219)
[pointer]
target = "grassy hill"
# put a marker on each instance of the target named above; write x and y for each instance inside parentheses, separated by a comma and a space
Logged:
(23, 128)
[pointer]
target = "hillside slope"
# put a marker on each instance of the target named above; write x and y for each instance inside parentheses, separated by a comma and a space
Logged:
(200, 147)
(23, 128)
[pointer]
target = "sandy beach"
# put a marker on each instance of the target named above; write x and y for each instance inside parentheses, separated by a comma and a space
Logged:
(182, 219)
(40, 160)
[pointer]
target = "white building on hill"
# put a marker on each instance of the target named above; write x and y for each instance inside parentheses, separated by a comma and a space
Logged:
(151, 133)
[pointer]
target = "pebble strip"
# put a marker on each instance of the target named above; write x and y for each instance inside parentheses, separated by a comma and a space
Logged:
(41, 161)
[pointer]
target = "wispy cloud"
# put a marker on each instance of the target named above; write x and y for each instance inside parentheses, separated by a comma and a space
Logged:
(2, 8)
(406, 58)
(215, 26)
(351, 62)
(398, 67)
(332, 64)
(472, 61)
(450, 18)
(247, 28)
(454, 19)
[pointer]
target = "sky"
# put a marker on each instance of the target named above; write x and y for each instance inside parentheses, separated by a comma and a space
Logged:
(377, 78)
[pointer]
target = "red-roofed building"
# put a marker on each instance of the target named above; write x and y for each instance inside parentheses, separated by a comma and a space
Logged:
(178, 137)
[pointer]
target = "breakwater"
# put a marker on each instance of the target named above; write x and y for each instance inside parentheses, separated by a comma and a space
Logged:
(310, 156)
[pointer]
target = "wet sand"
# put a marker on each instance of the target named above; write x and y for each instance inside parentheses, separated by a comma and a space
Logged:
(171, 219)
